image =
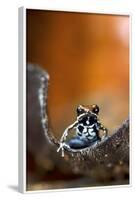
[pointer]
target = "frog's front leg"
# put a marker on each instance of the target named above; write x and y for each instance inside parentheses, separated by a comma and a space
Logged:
(64, 136)
(66, 132)
(105, 130)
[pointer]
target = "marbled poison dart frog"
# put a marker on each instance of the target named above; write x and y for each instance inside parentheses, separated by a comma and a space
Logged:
(87, 128)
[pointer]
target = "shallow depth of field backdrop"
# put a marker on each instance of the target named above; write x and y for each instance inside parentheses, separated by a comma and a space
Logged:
(87, 58)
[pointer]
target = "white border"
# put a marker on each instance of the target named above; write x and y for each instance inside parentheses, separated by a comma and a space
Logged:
(22, 101)
(22, 94)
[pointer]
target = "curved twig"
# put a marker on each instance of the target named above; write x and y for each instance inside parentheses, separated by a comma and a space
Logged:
(114, 150)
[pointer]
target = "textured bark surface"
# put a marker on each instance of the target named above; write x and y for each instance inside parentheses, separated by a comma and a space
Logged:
(102, 163)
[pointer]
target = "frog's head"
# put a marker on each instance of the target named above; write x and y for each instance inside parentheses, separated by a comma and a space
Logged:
(81, 109)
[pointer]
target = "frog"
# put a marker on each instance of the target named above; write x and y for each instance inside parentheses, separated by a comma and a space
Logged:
(87, 127)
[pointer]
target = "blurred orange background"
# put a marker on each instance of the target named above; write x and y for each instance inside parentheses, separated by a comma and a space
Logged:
(87, 58)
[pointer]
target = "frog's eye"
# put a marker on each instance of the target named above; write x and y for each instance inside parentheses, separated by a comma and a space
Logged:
(80, 110)
(95, 109)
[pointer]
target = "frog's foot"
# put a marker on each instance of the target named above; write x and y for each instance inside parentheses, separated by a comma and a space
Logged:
(104, 137)
(61, 147)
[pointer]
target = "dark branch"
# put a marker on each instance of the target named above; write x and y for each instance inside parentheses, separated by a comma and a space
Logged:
(106, 155)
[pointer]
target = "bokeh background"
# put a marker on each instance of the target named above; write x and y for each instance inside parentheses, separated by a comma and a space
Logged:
(87, 58)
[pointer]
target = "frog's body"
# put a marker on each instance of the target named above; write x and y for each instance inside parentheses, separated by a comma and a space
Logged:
(87, 127)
